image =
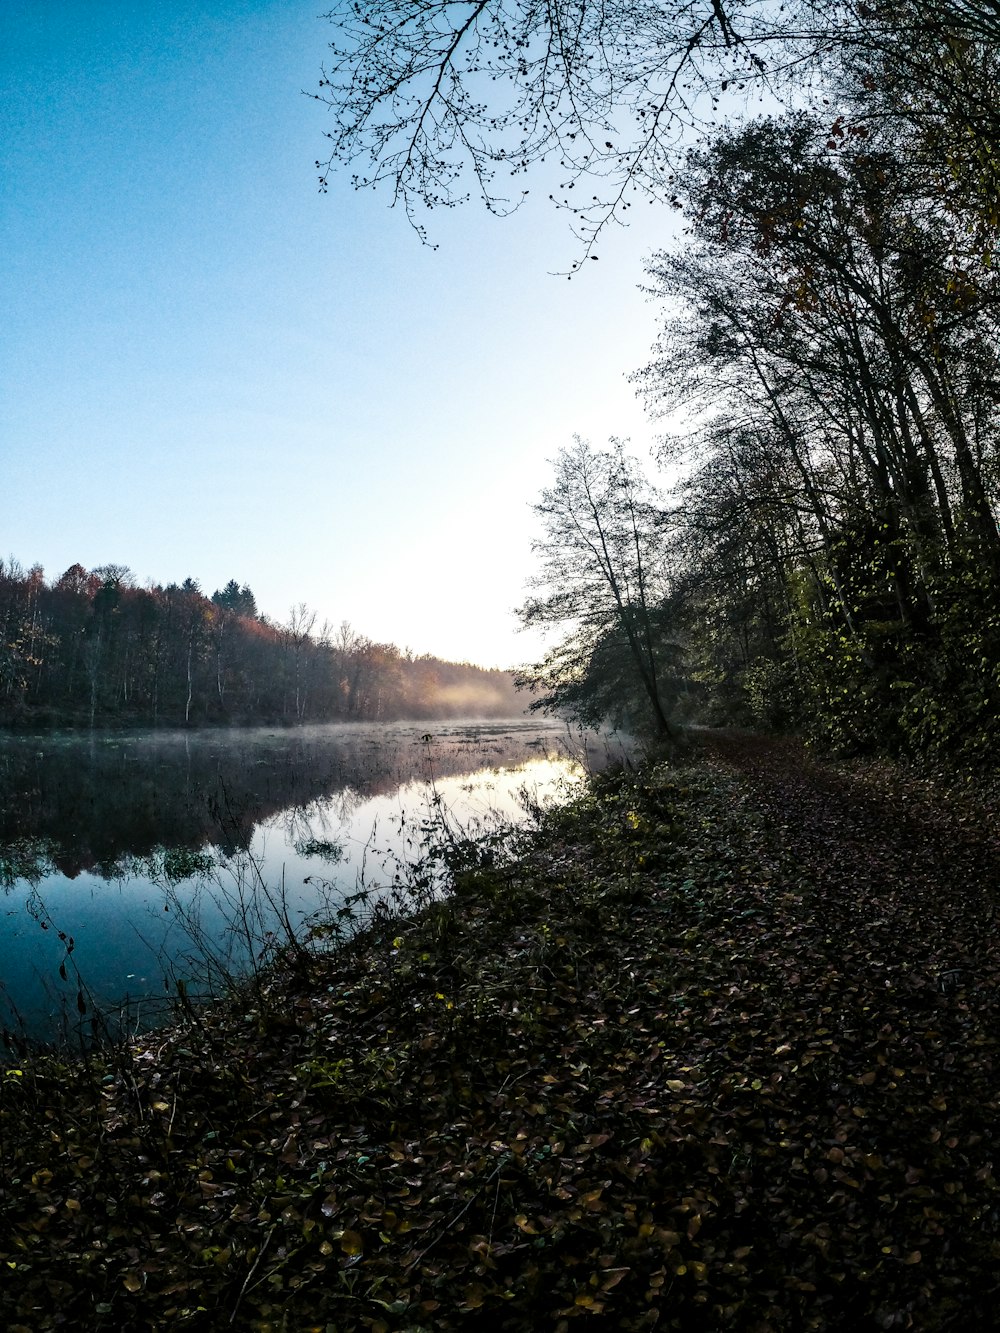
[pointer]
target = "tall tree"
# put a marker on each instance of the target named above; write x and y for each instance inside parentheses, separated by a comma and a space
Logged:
(601, 577)
(234, 598)
(837, 371)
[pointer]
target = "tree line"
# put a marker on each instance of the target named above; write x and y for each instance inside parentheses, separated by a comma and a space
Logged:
(92, 648)
(828, 368)
(826, 557)
(830, 361)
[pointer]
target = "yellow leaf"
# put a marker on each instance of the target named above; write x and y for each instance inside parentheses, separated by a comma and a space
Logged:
(351, 1243)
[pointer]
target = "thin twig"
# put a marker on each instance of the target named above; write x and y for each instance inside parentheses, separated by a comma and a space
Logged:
(249, 1276)
(460, 1214)
(493, 1219)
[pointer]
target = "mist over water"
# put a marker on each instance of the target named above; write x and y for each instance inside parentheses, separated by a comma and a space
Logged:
(129, 862)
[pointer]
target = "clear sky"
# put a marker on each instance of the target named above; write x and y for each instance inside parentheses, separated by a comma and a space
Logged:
(208, 368)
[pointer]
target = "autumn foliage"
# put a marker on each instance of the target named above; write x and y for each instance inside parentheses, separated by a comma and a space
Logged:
(91, 647)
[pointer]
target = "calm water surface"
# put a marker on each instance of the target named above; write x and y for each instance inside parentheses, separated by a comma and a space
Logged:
(129, 862)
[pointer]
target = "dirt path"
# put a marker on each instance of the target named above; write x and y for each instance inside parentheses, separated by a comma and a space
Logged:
(874, 944)
(905, 886)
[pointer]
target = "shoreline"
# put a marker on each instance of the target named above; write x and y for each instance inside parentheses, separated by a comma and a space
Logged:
(643, 1065)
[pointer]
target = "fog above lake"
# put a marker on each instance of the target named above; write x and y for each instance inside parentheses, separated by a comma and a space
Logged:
(123, 855)
(73, 803)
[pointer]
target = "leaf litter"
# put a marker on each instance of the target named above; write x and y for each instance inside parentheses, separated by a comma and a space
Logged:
(716, 1048)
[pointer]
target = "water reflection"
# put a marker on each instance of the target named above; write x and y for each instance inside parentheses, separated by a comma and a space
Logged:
(128, 861)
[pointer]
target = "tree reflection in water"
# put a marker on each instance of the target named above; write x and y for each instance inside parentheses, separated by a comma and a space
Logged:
(136, 845)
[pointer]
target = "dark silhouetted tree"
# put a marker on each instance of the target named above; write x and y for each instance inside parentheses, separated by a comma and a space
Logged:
(601, 577)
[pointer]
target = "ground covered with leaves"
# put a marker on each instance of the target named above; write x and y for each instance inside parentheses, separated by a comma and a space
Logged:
(716, 1047)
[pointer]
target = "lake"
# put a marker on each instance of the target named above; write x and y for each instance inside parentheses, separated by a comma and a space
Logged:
(130, 863)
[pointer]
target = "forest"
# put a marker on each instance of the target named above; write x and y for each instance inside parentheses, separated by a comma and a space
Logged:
(815, 548)
(92, 648)
(827, 558)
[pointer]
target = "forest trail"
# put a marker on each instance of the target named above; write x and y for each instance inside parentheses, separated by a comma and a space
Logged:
(871, 935)
(906, 875)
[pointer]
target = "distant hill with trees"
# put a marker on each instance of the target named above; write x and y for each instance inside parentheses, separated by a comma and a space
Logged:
(93, 648)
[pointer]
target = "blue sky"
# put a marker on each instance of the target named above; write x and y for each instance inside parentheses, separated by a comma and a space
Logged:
(208, 368)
